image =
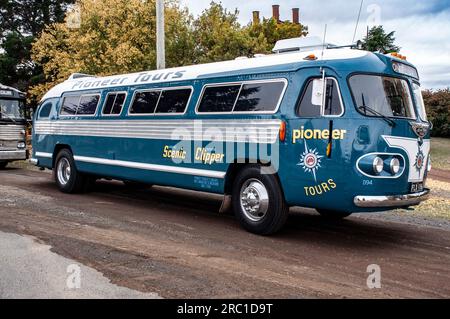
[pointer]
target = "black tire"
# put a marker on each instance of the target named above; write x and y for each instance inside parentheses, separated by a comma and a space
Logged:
(274, 216)
(3, 165)
(75, 181)
(332, 214)
(136, 185)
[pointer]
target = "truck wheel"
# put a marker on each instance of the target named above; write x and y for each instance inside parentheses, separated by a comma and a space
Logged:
(332, 214)
(258, 201)
(67, 177)
(3, 165)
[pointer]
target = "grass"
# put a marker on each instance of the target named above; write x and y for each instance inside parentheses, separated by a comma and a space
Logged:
(440, 153)
(438, 206)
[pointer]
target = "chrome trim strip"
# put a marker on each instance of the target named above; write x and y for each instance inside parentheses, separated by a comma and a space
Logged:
(152, 167)
(252, 131)
(43, 154)
(391, 201)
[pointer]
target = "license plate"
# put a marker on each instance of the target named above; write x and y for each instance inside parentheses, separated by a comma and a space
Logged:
(416, 187)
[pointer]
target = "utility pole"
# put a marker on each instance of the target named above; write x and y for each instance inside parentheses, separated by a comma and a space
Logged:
(160, 37)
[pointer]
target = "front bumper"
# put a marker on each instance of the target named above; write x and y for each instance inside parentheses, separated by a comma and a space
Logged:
(391, 201)
(13, 155)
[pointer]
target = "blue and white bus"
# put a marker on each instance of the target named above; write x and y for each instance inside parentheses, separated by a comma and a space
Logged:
(339, 130)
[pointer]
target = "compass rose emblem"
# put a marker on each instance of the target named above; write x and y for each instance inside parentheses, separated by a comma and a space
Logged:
(310, 161)
(420, 159)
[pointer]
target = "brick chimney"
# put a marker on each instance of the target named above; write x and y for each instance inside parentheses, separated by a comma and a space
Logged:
(256, 17)
(276, 12)
(295, 15)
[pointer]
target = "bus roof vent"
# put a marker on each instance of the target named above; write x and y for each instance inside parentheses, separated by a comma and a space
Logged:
(75, 76)
(301, 44)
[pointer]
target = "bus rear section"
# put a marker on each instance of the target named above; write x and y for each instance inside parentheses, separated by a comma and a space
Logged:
(12, 126)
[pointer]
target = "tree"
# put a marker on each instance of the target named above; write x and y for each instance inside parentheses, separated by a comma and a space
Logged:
(115, 36)
(118, 36)
(437, 104)
(20, 23)
(269, 31)
(219, 35)
(377, 40)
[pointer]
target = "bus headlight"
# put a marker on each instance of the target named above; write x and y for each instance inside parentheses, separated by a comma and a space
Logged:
(21, 145)
(429, 164)
(394, 165)
(378, 165)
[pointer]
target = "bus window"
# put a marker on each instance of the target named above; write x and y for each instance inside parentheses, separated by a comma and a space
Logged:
(173, 101)
(70, 105)
(114, 104)
(309, 107)
(88, 104)
(419, 101)
(217, 99)
(259, 97)
(387, 96)
(145, 102)
(44, 111)
(11, 109)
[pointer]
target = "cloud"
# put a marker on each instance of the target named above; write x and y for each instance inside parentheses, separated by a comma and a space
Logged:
(422, 27)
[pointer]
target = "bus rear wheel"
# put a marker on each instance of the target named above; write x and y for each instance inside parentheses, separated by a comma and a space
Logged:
(332, 214)
(67, 177)
(3, 165)
(258, 201)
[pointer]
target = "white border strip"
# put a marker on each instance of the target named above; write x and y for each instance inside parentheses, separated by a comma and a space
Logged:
(152, 167)
(45, 155)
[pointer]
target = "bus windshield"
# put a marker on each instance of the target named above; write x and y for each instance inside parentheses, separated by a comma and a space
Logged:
(382, 96)
(11, 110)
(419, 101)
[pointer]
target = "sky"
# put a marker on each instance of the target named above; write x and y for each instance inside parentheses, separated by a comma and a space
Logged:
(422, 27)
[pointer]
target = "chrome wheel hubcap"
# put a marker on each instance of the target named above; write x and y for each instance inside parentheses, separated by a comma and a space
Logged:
(64, 171)
(254, 200)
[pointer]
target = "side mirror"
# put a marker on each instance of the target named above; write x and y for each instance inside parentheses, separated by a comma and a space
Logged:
(317, 92)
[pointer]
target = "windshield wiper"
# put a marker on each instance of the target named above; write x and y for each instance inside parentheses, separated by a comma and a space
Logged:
(366, 108)
(8, 117)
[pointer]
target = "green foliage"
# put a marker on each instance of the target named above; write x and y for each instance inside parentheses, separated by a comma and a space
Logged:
(378, 40)
(118, 36)
(265, 34)
(437, 104)
(20, 23)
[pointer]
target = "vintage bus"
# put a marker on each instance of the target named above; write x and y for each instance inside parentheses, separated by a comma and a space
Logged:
(339, 130)
(12, 125)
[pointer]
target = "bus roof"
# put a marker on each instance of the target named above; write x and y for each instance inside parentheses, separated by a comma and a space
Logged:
(10, 92)
(260, 64)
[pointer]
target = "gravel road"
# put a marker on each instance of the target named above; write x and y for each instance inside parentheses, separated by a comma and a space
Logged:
(173, 243)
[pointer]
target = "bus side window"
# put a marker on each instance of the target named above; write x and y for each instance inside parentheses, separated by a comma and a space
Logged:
(46, 109)
(309, 105)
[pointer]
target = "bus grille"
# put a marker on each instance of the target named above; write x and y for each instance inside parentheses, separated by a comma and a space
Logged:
(10, 135)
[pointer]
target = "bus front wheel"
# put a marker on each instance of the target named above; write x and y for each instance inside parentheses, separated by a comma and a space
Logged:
(332, 214)
(67, 177)
(258, 201)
